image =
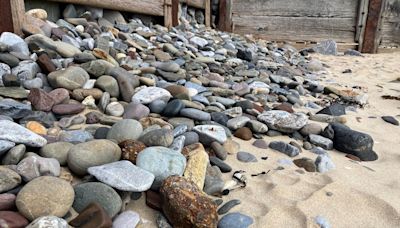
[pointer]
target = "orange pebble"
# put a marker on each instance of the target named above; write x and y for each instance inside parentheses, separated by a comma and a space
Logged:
(36, 127)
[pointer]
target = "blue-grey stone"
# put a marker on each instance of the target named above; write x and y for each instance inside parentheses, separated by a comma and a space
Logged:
(14, 42)
(13, 132)
(157, 106)
(191, 137)
(124, 130)
(180, 129)
(228, 206)
(318, 150)
(201, 99)
(321, 141)
(195, 114)
(246, 157)
(5, 146)
(285, 148)
(76, 136)
(235, 220)
(210, 133)
(178, 144)
(162, 162)
(322, 222)
(324, 163)
(14, 109)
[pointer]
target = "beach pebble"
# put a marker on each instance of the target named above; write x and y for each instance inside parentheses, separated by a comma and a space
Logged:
(246, 157)
(321, 141)
(285, 148)
(260, 143)
(391, 120)
(12, 219)
(48, 221)
(225, 168)
(283, 121)
(306, 163)
(9, 179)
(13, 132)
(210, 133)
(14, 155)
(236, 219)
(34, 166)
(124, 130)
(324, 163)
(93, 215)
(158, 137)
(126, 219)
(228, 206)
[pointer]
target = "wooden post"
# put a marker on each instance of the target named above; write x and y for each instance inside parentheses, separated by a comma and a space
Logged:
(207, 14)
(6, 22)
(175, 12)
(361, 22)
(225, 16)
(18, 15)
(372, 28)
(168, 13)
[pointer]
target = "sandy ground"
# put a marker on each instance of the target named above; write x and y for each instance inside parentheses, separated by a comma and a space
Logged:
(363, 194)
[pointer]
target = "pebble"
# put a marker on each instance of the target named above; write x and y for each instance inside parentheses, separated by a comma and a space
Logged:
(283, 121)
(225, 168)
(13, 132)
(150, 94)
(195, 114)
(48, 221)
(320, 141)
(324, 163)
(391, 120)
(57, 150)
(306, 163)
(124, 130)
(158, 137)
(126, 219)
(285, 148)
(9, 179)
(235, 219)
(228, 206)
(14, 155)
(93, 215)
(12, 219)
(114, 109)
(260, 143)
(210, 133)
(244, 133)
(196, 167)
(34, 166)
(219, 150)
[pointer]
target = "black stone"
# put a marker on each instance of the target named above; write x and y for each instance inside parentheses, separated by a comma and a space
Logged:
(173, 108)
(353, 142)
(334, 110)
(245, 55)
(101, 133)
(220, 118)
(391, 119)
(225, 168)
(228, 206)
(245, 104)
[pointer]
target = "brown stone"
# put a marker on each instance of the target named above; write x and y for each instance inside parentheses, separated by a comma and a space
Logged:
(244, 133)
(178, 91)
(80, 94)
(7, 201)
(68, 109)
(153, 200)
(40, 100)
(306, 163)
(93, 117)
(148, 121)
(185, 205)
(12, 219)
(45, 63)
(36, 127)
(59, 95)
(130, 149)
(93, 216)
(284, 107)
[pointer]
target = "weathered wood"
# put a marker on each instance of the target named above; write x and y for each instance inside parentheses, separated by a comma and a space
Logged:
(296, 8)
(390, 31)
(371, 37)
(342, 47)
(18, 15)
(225, 15)
(207, 12)
(168, 13)
(6, 22)
(195, 3)
(175, 12)
(362, 20)
(150, 7)
(296, 28)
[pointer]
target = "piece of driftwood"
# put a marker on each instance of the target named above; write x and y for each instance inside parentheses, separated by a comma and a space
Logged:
(362, 20)
(225, 15)
(372, 28)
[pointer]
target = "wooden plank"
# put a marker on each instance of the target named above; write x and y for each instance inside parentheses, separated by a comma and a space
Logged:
(371, 36)
(195, 3)
(150, 7)
(296, 8)
(362, 20)
(18, 15)
(175, 12)
(168, 13)
(225, 16)
(207, 12)
(390, 31)
(296, 28)
(6, 23)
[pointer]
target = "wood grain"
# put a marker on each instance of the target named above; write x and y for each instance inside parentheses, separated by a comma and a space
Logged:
(372, 34)
(18, 15)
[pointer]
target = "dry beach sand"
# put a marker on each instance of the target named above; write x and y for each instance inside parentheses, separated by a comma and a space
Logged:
(365, 194)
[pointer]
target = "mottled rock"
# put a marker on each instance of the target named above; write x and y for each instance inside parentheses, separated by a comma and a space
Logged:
(34, 166)
(283, 121)
(285, 148)
(48, 221)
(9, 179)
(197, 165)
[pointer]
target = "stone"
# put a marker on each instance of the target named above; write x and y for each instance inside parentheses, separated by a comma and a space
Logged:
(75, 136)
(391, 120)
(48, 221)
(191, 138)
(237, 122)
(173, 108)
(14, 42)
(34, 166)
(306, 163)
(13, 92)
(321, 141)
(93, 215)
(219, 150)
(124, 176)
(246, 157)
(115, 109)
(257, 126)
(162, 162)
(235, 219)
(35, 83)
(10, 80)
(9, 179)
(185, 205)
(153, 200)
(59, 95)
(283, 121)
(150, 94)
(95, 192)
(12, 219)
(5, 146)
(136, 111)
(13, 132)
(64, 49)
(285, 148)
(244, 133)
(158, 137)
(228, 206)
(195, 114)
(36, 127)
(45, 196)
(14, 155)
(157, 106)
(197, 165)
(93, 153)
(311, 128)
(57, 150)
(225, 168)
(213, 184)
(334, 109)
(353, 142)
(167, 66)
(326, 47)
(124, 130)
(45, 63)
(210, 133)
(245, 55)
(7, 201)
(70, 78)
(126, 219)
(162, 222)
(324, 163)
(260, 143)
(40, 100)
(67, 109)
(130, 149)
(108, 84)
(14, 109)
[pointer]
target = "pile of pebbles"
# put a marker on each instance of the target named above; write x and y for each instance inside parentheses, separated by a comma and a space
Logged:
(94, 106)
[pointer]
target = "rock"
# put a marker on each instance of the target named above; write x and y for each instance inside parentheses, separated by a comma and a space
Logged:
(59, 95)
(136, 111)
(228, 206)
(126, 219)
(236, 219)
(124, 130)
(9, 179)
(36, 127)
(237, 122)
(12, 219)
(220, 118)
(219, 150)
(75, 136)
(245, 55)
(183, 202)
(353, 142)
(48, 221)
(64, 49)
(162, 162)
(162, 222)
(244, 133)
(324, 163)
(67, 109)
(45, 196)
(93, 153)
(158, 137)
(14, 155)
(335, 109)
(390, 119)
(124, 176)
(157, 106)
(70, 78)
(213, 183)
(93, 215)
(246, 157)
(35, 83)
(14, 109)
(13, 92)
(191, 138)
(197, 165)
(306, 163)
(57, 150)
(14, 42)
(260, 143)
(225, 168)
(108, 84)
(34, 166)
(285, 148)
(40, 100)
(326, 47)
(5, 146)
(320, 141)
(95, 192)
(7, 201)
(115, 109)
(13, 132)
(173, 108)
(150, 94)
(130, 149)
(311, 128)
(167, 66)
(195, 114)
(210, 133)
(283, 121)
(257, 127)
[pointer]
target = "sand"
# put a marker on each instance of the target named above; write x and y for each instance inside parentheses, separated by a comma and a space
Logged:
(365, 194)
